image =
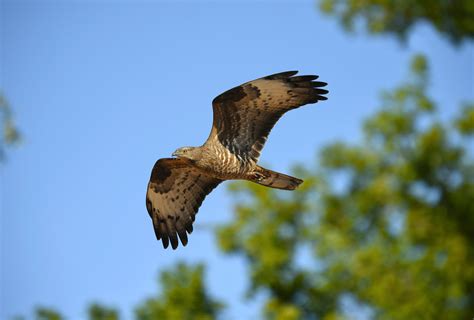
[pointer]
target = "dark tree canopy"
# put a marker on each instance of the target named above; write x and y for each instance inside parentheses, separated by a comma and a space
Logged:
(97, 311)
(47, 314)
(183, 296)
(453, 19)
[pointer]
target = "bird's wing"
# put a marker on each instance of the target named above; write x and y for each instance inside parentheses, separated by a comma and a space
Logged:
(175, 192)
(244, 115)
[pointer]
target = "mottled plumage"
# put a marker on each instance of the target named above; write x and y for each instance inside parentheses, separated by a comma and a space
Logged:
(243, 118)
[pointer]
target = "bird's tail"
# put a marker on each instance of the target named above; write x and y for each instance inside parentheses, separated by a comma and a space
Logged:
(274, 179)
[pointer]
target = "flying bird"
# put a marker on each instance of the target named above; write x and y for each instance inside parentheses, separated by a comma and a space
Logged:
(243, 118)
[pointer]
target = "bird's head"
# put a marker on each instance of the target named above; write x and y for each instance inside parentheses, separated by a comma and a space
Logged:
(190, 153)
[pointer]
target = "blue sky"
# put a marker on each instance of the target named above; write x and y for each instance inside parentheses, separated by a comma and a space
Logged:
(101, 90)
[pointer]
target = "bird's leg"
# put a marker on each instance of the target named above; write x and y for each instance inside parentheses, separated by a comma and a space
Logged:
(274, 179)
(258, 176)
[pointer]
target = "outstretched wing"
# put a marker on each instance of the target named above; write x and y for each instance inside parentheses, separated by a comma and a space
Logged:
(244, 115)
(175, 192)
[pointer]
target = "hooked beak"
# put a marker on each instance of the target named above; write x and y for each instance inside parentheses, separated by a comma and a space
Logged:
(176, 154)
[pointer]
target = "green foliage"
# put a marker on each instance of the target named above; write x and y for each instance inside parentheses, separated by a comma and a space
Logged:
(465, 122)
(99, 312)
(454, 19)
(47, 314)
(183, 296)
(10, 134)
(388, 222)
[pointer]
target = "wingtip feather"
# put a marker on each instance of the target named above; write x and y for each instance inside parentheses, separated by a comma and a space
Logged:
(183, 237)
(165, 242)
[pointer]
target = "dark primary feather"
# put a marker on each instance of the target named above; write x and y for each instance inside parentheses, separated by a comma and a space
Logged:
(245, 115)
(175, 193)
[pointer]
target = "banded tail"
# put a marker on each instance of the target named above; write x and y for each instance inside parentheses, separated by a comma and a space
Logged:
(275, 180)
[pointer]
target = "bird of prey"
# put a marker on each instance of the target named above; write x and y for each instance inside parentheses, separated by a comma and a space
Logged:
(243, 118)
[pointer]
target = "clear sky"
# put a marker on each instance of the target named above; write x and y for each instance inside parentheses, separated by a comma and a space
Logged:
(101, 90)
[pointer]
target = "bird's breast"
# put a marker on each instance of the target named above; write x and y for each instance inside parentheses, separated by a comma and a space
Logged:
(223, 164)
